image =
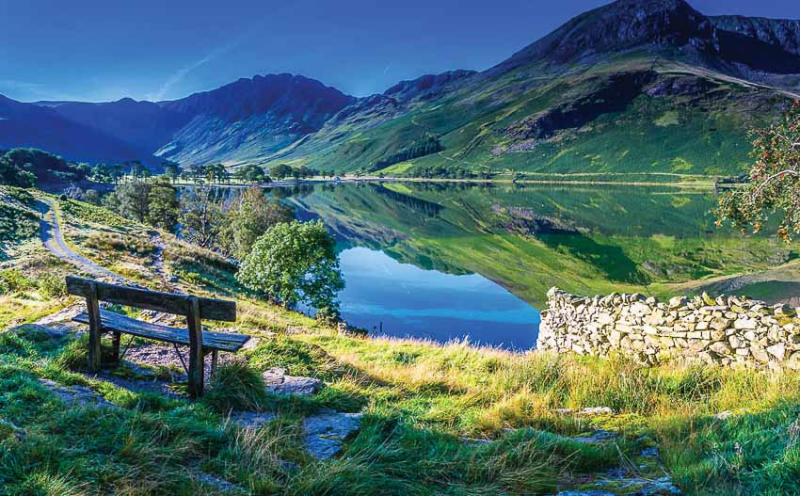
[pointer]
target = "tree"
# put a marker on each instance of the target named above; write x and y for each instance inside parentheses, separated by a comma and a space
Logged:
(138, 170)
(251, 173)
(249, 216)
(14, 175)
(133, 198)
(172, 171)
(774, 184)
(280, 171)
(164, 206)
(295, 263)
(201, 216)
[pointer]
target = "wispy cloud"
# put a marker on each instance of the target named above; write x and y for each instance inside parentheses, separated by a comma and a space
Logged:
(177, 76)
(27, 91)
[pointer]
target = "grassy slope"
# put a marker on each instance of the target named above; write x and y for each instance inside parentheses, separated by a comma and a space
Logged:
(419, 399)
(685, 134)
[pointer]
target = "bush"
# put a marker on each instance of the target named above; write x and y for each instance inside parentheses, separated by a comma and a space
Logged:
(236, 386)
(15, 281)
(52, 286)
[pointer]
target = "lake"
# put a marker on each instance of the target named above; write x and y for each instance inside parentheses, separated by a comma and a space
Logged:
(453, 261)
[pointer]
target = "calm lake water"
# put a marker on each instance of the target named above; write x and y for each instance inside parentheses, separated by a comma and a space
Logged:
(454, 261)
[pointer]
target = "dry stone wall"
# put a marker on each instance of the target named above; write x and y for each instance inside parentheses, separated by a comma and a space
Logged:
(729, 331)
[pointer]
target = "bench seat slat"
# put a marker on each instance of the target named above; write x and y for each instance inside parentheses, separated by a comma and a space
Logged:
(111, 321)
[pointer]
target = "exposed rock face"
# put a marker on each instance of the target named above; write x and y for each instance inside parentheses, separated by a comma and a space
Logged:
(728, 331)
(326, 432)
(784, 33)
(279, 383)
(427, 86)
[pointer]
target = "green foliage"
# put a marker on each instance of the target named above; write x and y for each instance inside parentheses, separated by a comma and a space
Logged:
(201, 216)
(20, 166)
(280, 171)
(14, 175)
(429, 145)
(164, 207)
(133, 199)
(16, 281)
(236, 386)
(252, 173)
(249, 215)
(52, 286)
(95, 214)
(774, 180)
(295, 263)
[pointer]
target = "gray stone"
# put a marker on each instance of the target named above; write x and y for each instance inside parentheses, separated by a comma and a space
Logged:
(677, 302)
(77, 395)
(279, 383)
(221, 486)
(778, 351)
(596, 410)
(325, 433)
(251, 420)
(794, 361)
(721, 348)
(723, 415)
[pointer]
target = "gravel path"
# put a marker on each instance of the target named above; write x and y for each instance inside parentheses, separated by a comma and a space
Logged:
(53, 240)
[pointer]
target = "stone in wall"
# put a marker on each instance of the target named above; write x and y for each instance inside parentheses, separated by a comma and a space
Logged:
(729, 331)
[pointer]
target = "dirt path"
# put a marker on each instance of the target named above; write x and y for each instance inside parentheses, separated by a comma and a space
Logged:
(53, 239)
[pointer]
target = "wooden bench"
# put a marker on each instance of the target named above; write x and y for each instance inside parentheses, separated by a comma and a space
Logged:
(195, 309)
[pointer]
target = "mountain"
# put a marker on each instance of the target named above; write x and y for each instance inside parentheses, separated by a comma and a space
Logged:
(30, 125)
(250, 119)
(635, 87)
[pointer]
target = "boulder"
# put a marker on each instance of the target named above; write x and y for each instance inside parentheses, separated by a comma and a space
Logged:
(325, 433)
(279, 383)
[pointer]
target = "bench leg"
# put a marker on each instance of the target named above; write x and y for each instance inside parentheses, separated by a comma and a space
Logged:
(196, 355)
(214, 360)
(95, 329)
(115, 340)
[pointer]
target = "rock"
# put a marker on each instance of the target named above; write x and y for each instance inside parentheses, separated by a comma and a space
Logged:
(677, 302)
(325, 433)
(721, 348)
(708, 300)
(793, 362)
(564, 411)
(759, 354)
(778, 351)
(596, 410)
(251, 420)
(8, 429)
(251, 344)
(279, 383)
(742, 324)
(221, 486)
(77, 395)
(598, 437)
(784, 310)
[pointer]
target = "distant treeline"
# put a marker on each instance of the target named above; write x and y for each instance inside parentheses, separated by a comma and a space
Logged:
(417, 149)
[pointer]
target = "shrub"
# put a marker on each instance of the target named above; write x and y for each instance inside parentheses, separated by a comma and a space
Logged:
(236, 386)
(16, 281)
(52, 286)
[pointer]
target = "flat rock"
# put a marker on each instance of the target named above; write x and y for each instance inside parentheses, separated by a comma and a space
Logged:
(597, 437)
(220, 486)
(77, 395)
(251, 420)
(723, 415)
(279, 383)
(325, 433)
(596, 410)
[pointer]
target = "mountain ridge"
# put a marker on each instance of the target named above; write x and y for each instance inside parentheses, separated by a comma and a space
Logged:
(546, 96)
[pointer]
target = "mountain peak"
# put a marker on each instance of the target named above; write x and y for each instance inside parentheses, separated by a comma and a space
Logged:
(618, 26)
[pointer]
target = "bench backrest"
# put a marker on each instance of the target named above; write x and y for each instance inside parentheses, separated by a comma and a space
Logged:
(210, 308)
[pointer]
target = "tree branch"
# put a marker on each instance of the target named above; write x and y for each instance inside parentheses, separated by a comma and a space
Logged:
(766, 181)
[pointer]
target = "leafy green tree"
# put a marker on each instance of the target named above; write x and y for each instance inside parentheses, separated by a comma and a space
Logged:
(133, 198)
(164, 207)
(252, 173)
(172, 171)
(249, 216)
(14, 175)
(280, 171)
(295, 263)
(774, 182)
(201, 216)
(138, 170)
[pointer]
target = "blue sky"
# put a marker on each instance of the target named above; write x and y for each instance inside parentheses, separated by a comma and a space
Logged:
(95, 50)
